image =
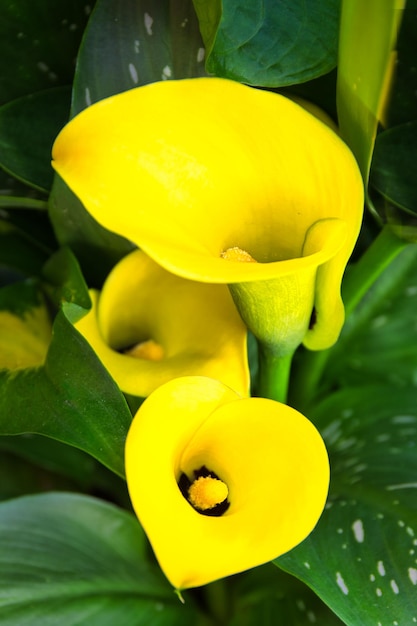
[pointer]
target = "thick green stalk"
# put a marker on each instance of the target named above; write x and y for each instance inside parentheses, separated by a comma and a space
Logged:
(273, 374)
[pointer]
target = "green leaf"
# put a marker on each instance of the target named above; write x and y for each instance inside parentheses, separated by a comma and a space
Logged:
(403, 102)
(270, 43)
(69, 559)
(96, 248)
(51, 456)
(132, 43)
(266, 595)
(28, 127)
(368, 32)
(39, 43)
(362, 557)
(19, 252)
(71, 397)
(66, 286)
(394, 166)
(379, 340)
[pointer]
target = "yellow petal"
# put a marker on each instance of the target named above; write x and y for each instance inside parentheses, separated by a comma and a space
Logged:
(148, 326)
(188, 169)
(271, 458)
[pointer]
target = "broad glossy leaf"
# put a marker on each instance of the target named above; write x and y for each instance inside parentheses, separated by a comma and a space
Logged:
(403, 102)
(69, 559)
(362, 557)
(51, 456)
(19, 253)
(379, 340)
(28, 127)
(394, 166)
(270, 43)
(129, 43)
(96, 248)
(71, 398)
(66, 286)
(368, 33)
(39, 43)
(266, 595)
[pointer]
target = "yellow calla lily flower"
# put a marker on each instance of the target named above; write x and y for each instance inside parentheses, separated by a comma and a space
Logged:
(148, 326)
(222, 483)
(220, 182)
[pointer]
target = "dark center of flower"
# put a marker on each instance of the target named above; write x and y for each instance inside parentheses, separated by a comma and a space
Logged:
(207, 493)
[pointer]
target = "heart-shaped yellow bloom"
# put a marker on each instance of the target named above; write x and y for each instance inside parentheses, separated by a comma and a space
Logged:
(195, 169)
(221, 483)
(148, 326)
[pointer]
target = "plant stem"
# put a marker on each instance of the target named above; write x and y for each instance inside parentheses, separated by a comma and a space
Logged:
(23, 203)
(273, 374)
(218, 599)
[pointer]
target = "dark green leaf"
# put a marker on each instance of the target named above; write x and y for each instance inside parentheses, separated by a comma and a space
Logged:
(39, 43)
(268, 596)
(71, 398)
(53, 457)
(128, 44)
(96, 248)
(379, 340)
(270, 43)
(19, 476)
(66, 286)
(394, 166)
(18, 252)
(403, 101)
(69, 559)
(28, 127)
(362, 557)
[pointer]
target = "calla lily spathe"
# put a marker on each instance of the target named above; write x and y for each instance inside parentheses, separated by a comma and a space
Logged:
(266, 458)
(193, 170)
(148, 326)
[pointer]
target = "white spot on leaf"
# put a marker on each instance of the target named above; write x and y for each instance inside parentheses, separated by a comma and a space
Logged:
(358, 531)
(133, 73)
(148, 21)
(341, 583)
(412, 574)
(166, 72)
(381, 568)
(394, 587)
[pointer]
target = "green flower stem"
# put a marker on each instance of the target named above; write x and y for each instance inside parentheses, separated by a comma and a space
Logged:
(22, 203)
(273, 374)
(383, 250)
(218, 598)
